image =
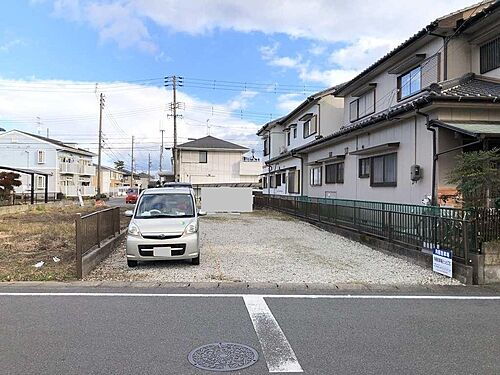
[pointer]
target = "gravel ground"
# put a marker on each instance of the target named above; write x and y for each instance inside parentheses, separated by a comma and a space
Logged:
(266, 246)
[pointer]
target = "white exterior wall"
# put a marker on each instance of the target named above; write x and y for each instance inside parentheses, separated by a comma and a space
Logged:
(386, 89)
(21, 151)
(221, 167)
(282, 166)
(415, 148)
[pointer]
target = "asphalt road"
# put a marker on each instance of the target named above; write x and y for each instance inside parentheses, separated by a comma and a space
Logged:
(119, 202)
(151, 331)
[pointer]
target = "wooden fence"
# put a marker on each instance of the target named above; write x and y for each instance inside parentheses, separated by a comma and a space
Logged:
(92, 230)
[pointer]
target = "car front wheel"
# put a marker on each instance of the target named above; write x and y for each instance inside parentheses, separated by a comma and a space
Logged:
(131, 263)
(196, 261)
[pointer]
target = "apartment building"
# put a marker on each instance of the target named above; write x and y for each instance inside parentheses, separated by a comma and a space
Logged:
(112, 181)
(407, 116)
(213, 161)
(70, 167)
(316, 117)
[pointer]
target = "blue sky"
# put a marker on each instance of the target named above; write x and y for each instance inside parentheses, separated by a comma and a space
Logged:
(51, 48)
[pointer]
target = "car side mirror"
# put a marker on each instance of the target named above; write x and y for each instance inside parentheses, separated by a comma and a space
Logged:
(129, 213)
(202, 213)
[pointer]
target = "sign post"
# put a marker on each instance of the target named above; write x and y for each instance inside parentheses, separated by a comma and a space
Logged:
(442, 261)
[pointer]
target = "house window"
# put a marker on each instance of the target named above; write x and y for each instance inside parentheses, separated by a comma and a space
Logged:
(41, 157)
(266, 146)
(278, 180)
(272, 181)
(383, 170)
(334, 173)
(315, 176)
(288, 138)
(409, 83)
(264, 182)
(203, 156)
(310, 127)
(293, 181)
(284, 178)
(362, 106)
(489, 56)
(364, 168)
(40, 182)
(294, 133)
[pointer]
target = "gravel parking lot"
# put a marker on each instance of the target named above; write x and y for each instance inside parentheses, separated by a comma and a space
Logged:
(266, 246)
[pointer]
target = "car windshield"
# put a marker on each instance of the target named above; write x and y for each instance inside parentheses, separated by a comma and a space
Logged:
(165, 205)
(132, 191)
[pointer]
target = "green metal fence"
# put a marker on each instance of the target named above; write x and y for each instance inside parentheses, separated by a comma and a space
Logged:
(419, 227)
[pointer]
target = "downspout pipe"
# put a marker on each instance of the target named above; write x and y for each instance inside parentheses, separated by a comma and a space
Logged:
(301, 180)
(434, 155)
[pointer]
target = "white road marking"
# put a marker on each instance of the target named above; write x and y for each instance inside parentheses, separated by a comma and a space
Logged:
(275, 346)
(233, 295)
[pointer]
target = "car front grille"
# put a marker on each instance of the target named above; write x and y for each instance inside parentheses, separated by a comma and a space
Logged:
(161, 236)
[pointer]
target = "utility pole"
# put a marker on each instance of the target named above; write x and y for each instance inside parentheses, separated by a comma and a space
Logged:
(101, 106)
(132, 166)
(174, 81)
(161, 150)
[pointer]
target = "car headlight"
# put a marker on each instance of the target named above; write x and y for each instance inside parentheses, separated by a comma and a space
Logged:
(191, 228)
(133, 230)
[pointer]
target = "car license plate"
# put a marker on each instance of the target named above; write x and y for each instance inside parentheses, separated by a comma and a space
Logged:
(161, 252)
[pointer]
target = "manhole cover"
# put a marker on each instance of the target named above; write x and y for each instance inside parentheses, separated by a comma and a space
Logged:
(224, 356)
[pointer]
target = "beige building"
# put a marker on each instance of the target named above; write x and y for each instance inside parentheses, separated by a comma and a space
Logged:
(112, 181)
(408, 115)
(213, 161)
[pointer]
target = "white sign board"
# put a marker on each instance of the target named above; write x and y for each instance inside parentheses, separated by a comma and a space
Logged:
(442, 262)
(226, 199)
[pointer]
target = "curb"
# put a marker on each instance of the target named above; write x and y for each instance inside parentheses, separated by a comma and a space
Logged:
(356, 287)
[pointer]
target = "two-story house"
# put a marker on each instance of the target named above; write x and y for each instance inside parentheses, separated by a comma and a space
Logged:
(317, 116)
(70, 167)
(112, 181)
(409, 114)
(213, 161)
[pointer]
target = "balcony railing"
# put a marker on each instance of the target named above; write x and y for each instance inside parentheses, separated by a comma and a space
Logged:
(72, 191)
(75, 168)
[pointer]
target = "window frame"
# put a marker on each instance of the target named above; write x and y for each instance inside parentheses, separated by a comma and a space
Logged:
(42, 184)
(200, 153)
(312, 175)
(266, 146)
(295, 132)
(277, 180)
(337, 177)
(400, 79)
(483, 67)
(373, 92)
(42, 159)
(308, 122)
(360, 168)
(272, 181)
(384, 183)
(288, 138)
(264, 182)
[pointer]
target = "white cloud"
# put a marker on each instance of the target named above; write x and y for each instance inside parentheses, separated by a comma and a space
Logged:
(6, 47)
(321, 20)
(288, 102)
(362, 52)
(70, 110)
(317, 49)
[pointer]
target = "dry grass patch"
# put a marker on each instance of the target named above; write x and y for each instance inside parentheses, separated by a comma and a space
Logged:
(27, 238)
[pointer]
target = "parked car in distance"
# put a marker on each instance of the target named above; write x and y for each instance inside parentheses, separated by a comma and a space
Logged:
(132, 195)
(164, 226)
